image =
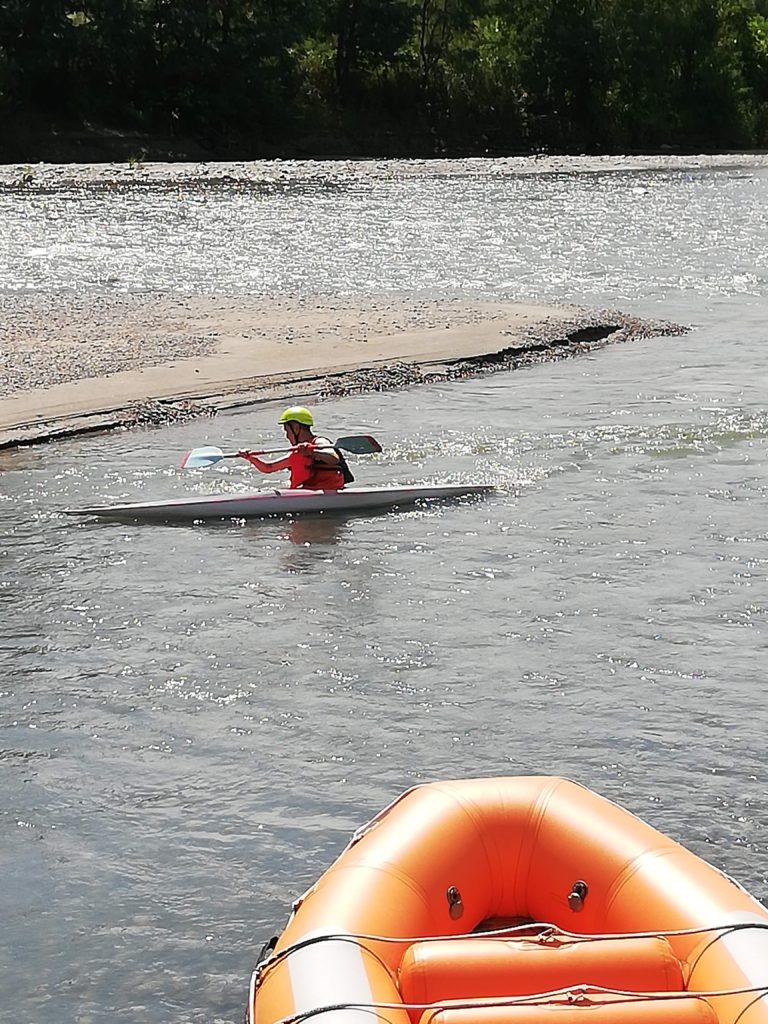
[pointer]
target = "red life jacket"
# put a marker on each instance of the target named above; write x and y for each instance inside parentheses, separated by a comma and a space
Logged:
(314, 476)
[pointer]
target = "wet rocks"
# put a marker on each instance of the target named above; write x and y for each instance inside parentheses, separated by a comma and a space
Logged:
(545, 342)
(156, 413)
(382, 378)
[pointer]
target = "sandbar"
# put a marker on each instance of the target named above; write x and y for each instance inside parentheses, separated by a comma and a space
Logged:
(75, 364)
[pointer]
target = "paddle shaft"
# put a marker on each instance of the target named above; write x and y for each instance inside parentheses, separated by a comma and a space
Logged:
(275, 451)
(357, 444)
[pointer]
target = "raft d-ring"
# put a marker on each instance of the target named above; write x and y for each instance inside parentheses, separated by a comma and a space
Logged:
(455, 904)
(577, 895)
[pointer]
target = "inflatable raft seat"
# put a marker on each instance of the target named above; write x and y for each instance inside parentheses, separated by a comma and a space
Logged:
(604, 1010)
(432, 972)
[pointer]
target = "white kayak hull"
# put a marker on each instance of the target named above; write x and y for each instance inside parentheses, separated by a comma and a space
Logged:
(280, 502)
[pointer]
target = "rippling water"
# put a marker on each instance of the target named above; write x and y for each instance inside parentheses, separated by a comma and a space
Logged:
(471, 227)
(193, 719)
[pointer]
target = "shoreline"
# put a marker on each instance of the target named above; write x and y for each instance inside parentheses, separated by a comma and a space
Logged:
(76, 365)
(276, 172)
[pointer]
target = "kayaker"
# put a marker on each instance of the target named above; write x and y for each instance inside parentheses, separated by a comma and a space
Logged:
(313, 462)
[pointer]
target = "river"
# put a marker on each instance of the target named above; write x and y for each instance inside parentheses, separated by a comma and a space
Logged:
(193, 719)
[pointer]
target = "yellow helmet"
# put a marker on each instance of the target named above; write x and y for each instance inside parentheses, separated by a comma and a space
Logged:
(297, 414)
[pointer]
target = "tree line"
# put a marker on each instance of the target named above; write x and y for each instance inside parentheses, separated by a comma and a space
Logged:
(250, 78)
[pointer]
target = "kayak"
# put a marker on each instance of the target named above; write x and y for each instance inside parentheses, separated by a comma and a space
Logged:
(518, 900)
(281, 502)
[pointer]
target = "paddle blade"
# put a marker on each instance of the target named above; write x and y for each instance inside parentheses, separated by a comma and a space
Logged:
(202, 458)
(359, 444)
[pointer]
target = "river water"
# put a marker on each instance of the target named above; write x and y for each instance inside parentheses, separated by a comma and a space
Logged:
(193, 719)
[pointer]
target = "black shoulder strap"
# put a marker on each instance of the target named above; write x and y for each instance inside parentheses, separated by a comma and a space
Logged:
(346, 471)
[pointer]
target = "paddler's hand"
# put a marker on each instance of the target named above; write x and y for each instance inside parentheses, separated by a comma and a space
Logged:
(307, 449)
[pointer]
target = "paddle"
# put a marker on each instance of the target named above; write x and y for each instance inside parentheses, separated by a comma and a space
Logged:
(202, 458)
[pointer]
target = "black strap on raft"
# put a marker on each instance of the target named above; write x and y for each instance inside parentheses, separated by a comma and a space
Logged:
(267, 949)
(346, 471)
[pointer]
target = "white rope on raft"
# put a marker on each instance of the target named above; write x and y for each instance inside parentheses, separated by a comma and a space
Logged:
(546, 931)
(578, 994)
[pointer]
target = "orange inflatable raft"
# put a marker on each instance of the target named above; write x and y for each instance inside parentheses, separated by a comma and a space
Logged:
(516, 901)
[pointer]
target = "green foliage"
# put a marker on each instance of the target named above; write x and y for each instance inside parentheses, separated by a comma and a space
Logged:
(758, 30)
(78, 19)
(254, 76)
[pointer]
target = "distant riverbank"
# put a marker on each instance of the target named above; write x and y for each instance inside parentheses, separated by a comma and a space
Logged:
(197, 172)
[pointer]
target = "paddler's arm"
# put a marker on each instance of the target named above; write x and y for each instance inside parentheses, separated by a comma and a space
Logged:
(323, 451)
(263, 467)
